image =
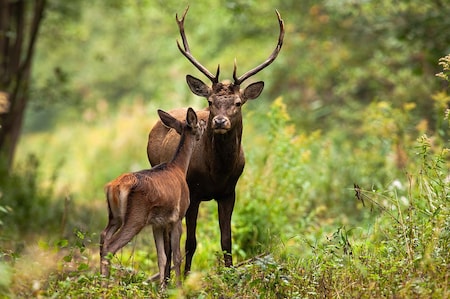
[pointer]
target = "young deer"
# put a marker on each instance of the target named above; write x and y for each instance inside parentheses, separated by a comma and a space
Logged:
(158, 196)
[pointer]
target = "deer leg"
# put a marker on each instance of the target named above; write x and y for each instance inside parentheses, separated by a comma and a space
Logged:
(225, 210)
(168, 251)
(191, 240)
(112, 227)
(175, 244)
(158, 235)
(128, 230)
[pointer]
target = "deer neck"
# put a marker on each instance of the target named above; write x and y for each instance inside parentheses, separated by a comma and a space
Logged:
(225, 148)
(184, 151)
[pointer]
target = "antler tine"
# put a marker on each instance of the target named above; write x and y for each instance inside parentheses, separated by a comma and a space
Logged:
(187, 53)
(270, 59)
(236, 80)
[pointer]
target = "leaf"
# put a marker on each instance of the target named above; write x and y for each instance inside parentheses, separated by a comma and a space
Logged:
(83, 267)
(62, 243)
(68, 258)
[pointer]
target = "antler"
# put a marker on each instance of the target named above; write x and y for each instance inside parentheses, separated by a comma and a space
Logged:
(238, 81)
(187, 53)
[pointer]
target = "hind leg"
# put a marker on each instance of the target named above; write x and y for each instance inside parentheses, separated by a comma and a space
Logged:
(175, 244)
(113, 226)
(114, 242)
(158, 235)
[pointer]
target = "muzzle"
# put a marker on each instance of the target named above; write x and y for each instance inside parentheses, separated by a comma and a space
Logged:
(221, 124)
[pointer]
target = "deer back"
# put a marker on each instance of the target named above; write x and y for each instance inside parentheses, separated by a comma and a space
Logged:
(214, 167)
(161, 196)
(162, 190)
(163, 141)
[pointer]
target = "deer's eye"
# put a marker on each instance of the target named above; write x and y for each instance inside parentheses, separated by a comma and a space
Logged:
(238, 104)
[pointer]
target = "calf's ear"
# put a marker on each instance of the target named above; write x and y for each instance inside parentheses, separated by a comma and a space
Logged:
(191, 118)
(170, 121)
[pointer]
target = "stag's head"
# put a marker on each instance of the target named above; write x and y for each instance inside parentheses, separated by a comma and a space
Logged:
(226, 98)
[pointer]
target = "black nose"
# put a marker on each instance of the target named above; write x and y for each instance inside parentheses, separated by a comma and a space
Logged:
(220, 121)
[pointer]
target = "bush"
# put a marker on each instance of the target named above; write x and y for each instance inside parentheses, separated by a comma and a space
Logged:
(26, 205)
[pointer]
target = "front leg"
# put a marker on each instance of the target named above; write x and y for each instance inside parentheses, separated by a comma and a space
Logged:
(191, 240)
(168, 251)
(225, 208)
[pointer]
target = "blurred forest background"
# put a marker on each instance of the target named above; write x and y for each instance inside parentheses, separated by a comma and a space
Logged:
(351, 104)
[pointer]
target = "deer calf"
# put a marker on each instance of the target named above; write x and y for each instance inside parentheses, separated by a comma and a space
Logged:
(158, 196)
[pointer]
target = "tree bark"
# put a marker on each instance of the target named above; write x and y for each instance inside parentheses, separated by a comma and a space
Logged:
(19, 26)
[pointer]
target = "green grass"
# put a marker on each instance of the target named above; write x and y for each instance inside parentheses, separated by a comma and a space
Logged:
(371, 121)
(299, 230)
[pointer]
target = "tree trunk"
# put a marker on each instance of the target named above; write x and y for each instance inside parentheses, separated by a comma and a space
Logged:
(19, 26)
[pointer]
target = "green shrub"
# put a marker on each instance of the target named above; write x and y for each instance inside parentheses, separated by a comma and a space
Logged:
(26, 205)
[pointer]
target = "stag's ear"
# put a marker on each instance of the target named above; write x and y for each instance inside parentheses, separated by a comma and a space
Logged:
(170, 121)
(253, 90)
(198, 87)
(191, 118)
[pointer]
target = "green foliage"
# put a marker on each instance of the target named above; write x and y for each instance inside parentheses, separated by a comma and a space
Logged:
(275, 189)
(392, 240)
(445, 63)
(25, 207)
(24, 204)
(404, 254)
(6, 277)
(357, 87)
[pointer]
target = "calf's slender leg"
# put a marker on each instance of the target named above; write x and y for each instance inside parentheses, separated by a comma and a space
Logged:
(158, 235)
(175, 243)
(118, 240)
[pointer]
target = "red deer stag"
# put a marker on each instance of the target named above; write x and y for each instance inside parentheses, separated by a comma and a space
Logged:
(157, 197)
(218, 159)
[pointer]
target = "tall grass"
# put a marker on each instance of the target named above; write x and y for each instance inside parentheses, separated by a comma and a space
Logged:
(361, 212)
(311, 219)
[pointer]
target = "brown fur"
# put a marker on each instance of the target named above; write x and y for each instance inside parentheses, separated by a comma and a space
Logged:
(157, 197)
(216, 163)
(218, 159)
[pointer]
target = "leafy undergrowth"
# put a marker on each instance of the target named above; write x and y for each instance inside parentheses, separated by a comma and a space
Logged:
(319, 215)
(403, 253)
(308, 237)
